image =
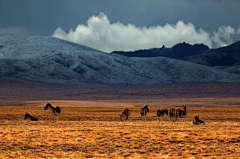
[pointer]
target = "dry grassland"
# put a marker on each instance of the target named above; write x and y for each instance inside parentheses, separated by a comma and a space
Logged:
(91, 129)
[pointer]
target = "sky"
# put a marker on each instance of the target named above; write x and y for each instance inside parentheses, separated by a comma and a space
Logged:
(110, 25)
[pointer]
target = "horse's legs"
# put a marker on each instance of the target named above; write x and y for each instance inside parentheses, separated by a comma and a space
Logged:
(52, 112)
(183, 119)
(174, 119)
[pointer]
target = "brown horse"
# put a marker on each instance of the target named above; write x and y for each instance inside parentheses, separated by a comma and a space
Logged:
(181, 113)
(28, 116)
(54, 111)
(144, 112)
(160, 113)
(197, 121)
(125, 114)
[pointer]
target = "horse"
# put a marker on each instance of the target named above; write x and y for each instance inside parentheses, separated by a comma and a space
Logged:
(144, 112)
(55, 111)
(197, 121)
(125, 114)
(181, 113)
(28, 116)
(172, 114)
(160, 113)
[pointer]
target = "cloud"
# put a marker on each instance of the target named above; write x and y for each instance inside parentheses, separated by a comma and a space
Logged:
(100, 34)
(14, 30)
(223, 36)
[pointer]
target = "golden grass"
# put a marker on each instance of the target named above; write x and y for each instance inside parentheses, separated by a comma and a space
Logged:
(88, 129)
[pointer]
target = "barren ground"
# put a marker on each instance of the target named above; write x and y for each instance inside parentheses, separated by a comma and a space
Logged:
(89, 125)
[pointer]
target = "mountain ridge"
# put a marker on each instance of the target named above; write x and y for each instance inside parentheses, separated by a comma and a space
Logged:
(178, 51)
(51, 60)
(223, 56)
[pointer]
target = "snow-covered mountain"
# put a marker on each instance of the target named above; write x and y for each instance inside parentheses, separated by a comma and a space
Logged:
(51, 60)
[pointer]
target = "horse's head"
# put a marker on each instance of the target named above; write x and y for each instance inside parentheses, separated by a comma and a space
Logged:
(26, 115)
(196, 117)
(121, 115)
(184, 107)
(47, 105)
(146, 107)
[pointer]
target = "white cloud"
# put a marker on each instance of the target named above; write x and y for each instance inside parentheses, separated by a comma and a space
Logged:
(223, 36)
(100, 34)
(14, 30)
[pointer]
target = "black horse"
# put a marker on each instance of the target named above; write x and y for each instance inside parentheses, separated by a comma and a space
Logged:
(55, 111)
(160, 113)
(28, 116)
(197, 121)
(125, 114)
(181, 113)
(144, 112)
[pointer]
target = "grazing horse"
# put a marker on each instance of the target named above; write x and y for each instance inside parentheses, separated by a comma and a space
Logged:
(197, 121)
(125, 114)
(181, 113)
(28, 116)
(160, 113)
(55, 111)
(172, 114)
(144, 112)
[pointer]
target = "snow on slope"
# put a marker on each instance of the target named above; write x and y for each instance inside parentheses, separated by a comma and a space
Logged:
(47, 59)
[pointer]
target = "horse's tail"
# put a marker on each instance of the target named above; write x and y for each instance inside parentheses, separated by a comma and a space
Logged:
(142, 111)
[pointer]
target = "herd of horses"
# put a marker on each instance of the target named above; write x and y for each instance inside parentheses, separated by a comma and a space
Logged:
(173, 113)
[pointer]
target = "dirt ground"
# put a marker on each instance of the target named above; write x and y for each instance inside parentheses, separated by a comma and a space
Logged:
(91, 129)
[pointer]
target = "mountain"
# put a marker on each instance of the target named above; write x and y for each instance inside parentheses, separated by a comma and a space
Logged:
(178, 51)
(224, 56)
(51, 60)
